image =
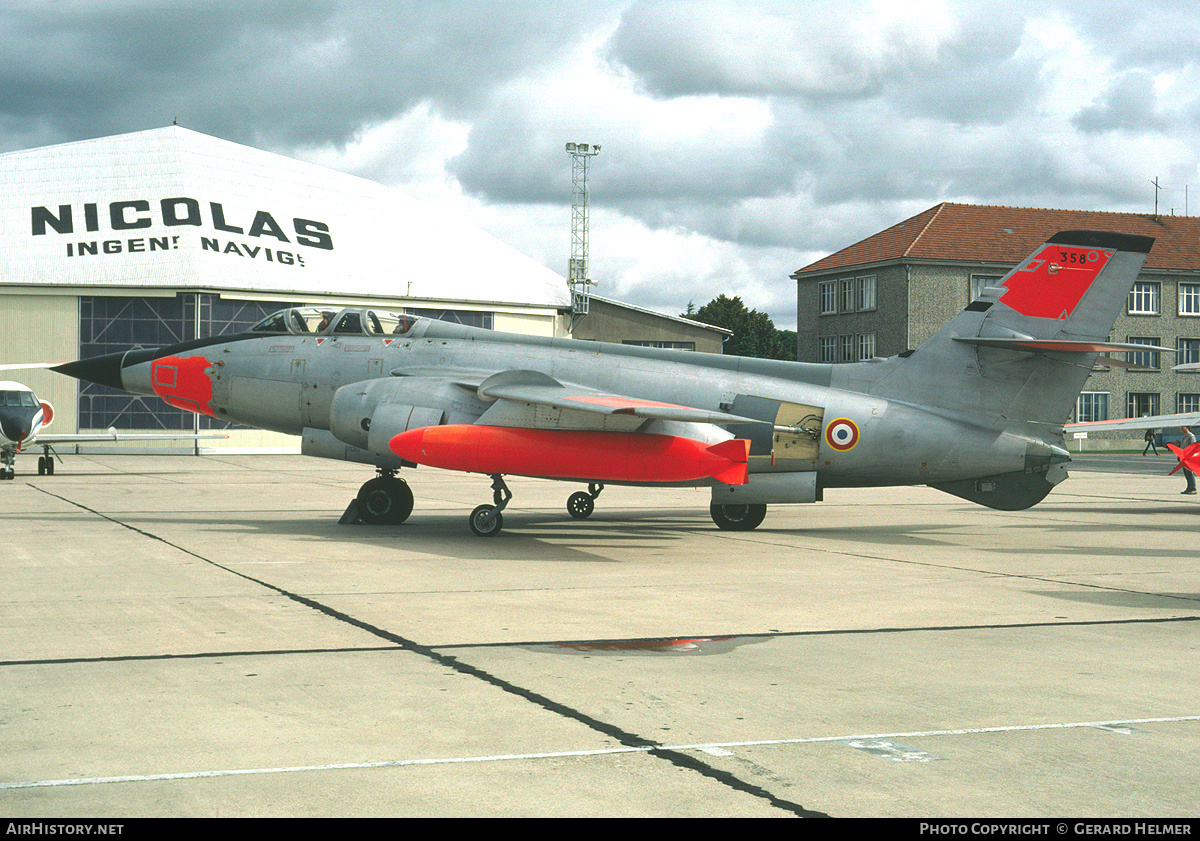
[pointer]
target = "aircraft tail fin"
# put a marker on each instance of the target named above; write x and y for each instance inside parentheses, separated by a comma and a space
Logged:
(1023, 350)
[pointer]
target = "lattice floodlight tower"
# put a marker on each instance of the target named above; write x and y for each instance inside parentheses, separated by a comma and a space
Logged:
(577, 268)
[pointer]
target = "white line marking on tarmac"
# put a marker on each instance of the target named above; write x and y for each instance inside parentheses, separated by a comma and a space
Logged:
(715, 748)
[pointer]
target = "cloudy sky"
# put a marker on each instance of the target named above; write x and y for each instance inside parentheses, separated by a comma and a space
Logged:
(740, 140)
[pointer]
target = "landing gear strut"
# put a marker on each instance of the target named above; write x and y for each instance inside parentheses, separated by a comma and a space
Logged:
(486, 520)
(7, 471)
(385, 500)
(581, 504)
(46, 462)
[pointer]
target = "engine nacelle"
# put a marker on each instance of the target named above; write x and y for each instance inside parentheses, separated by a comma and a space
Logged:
(370, 413)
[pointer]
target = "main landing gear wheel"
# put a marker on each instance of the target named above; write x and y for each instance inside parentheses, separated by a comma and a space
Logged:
(486, 520)
(737, 517)
(46, 465)
(385, 501)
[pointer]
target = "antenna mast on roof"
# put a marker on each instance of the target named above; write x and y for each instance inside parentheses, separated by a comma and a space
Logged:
(1156, 189)
(577, 267)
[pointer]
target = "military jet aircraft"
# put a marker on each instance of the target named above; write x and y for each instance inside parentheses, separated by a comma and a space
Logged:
(23, 417)
(976, 411)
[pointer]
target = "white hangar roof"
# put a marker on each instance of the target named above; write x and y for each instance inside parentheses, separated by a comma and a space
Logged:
(176, 209)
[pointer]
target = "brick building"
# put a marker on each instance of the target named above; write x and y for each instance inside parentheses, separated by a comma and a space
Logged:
(893, 290)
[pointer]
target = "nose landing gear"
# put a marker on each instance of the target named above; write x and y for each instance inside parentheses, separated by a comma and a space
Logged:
(581, 504)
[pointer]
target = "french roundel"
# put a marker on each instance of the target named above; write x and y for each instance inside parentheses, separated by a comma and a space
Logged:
(841, 434)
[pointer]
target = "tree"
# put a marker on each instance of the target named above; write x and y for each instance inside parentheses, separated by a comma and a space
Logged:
(754, 334)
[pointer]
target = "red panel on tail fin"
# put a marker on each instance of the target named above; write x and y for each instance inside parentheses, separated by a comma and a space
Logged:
(1052, 282)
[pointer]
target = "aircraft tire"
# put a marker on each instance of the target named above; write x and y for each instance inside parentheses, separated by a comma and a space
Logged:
(737, 517)
(384, 501)
(486, 526)
(49, 465)
(41, 465)
(580, 505)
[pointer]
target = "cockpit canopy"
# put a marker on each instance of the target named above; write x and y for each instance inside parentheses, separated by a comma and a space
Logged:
(350, 321)
(17, 398)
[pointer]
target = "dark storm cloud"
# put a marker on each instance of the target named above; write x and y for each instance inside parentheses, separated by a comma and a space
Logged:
(735, 135)
(686, 48)
(276, 73)
(1129, 104)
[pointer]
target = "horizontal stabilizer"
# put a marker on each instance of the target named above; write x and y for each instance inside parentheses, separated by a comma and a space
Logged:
(1059, 345)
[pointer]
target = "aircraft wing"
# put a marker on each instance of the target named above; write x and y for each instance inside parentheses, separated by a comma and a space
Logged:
(519, 394)
(113, 435)
(1148, 422)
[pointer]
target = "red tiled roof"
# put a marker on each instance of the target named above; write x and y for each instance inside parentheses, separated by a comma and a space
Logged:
(979, 233)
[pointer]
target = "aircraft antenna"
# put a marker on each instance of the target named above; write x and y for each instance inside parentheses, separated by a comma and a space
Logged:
(577, 267)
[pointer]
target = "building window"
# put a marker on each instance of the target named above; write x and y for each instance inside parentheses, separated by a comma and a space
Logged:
(829, 297)
(1189, 299)
(110, 324)
(979, 281)
(866, 345)
(847, 302)
(828, 348)
(866, 293)
(1141, 404)
(1143, 299)
(1187, 403)
(670, 345)
(469, 318)
(1091, 406)
(1189, 351)
(847, 348)
(1143, 358)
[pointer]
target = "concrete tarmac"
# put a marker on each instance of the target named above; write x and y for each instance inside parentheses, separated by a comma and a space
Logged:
(184, 636)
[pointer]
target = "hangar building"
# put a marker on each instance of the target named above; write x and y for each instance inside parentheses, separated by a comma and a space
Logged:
(168, 235)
